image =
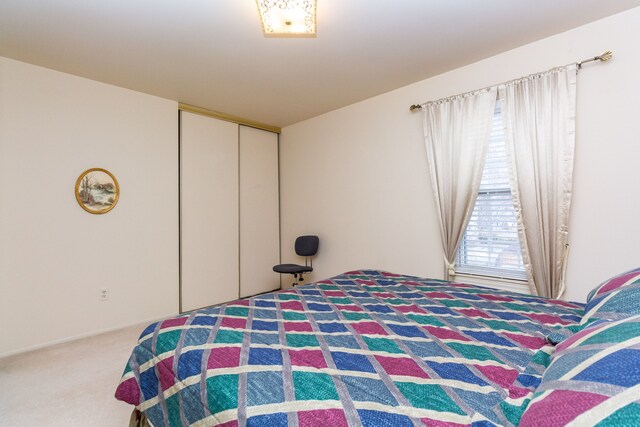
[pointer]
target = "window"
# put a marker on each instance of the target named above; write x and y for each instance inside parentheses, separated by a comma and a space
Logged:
(490, 245)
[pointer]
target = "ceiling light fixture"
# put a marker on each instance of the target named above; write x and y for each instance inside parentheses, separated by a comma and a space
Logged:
(288, 18)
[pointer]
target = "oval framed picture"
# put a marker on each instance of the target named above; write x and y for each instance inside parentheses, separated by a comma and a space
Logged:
(97, 191)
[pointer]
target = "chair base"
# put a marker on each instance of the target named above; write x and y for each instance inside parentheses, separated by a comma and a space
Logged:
(296, 279)
(296, 270)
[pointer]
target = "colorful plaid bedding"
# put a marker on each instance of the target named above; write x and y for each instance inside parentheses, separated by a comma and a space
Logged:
(593, 379)
(366, 348)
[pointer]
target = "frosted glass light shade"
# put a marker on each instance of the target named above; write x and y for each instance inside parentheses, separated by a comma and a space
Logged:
(288, 18)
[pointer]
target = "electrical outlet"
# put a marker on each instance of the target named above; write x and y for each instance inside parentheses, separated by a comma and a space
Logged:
(104, 294)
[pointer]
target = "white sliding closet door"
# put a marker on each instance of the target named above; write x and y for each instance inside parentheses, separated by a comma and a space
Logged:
(259, 211)
(209, 210)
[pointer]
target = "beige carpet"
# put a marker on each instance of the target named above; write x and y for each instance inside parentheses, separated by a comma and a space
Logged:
(69, 384)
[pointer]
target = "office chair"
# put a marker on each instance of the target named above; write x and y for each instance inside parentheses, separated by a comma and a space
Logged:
(306, 246)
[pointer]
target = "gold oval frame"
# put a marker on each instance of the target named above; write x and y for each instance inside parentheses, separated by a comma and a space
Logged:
(82, 203)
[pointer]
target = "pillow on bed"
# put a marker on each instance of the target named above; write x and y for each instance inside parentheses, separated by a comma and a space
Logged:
(613, 283)
(593, 378)
(616, 298)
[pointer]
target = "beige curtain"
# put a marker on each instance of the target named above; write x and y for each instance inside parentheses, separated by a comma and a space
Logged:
(456, 135)
(539, 116)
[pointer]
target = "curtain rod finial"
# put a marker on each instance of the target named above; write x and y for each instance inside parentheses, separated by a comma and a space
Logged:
(415, 107)
(606, 56)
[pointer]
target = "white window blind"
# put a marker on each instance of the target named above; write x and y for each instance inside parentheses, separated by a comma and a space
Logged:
(490, 245)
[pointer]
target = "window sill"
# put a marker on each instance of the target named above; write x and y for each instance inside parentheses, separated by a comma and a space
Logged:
(512, 285)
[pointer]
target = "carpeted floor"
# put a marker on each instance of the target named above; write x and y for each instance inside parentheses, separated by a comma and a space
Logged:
(69, 384)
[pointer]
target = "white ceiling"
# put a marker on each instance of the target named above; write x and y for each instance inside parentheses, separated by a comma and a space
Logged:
(212, 54)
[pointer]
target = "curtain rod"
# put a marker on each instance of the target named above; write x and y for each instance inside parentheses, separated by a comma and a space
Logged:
(605, 56)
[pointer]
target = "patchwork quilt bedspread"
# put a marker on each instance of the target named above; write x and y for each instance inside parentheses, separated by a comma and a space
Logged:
(366, 348)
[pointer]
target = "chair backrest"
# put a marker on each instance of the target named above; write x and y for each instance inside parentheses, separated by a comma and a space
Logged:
(307, 245)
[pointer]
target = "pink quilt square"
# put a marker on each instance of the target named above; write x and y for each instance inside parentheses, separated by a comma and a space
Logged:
(562, 303)
(297, 327)
(516, 392)
(292, 305)
(438, 295)
(460, 285)
(504, 377)
(565, 405)
(445, 334)
(383, 295)
(409, 309)
(129, 391)
(401, 366)
(348, 307)
(170, 323)
(224, 357)
(322, 417)
(473, 312)
(334, 293)
(387, 274)
(533, 343)
(617, 282)
(312, 358)
(410, 283)
(165, 369)
(371, 328)
(491, 297)
(234, 322)
(547, 319)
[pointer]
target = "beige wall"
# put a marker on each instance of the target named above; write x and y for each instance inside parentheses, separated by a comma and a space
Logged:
(357, 176)
(54, 256)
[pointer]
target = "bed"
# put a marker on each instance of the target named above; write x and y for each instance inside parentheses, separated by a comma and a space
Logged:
(365, 348)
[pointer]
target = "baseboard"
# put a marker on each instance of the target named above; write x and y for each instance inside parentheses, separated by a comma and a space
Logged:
(141, 323)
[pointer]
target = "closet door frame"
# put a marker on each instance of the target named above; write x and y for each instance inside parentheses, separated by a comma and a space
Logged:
(239, 122)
